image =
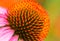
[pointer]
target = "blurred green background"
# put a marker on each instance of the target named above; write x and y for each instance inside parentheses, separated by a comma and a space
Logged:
(53, 8)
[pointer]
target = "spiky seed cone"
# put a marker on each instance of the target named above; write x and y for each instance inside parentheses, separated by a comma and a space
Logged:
(29, 20)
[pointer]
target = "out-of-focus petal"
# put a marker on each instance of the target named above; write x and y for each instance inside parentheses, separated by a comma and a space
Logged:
(14, 38)
(3, 16)
(3, 22)
(3, 10)
(3, 29)
(6, 34)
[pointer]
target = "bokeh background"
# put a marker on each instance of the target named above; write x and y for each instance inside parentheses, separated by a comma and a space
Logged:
(53, 8)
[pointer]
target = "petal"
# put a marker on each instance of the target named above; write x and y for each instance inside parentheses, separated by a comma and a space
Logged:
(5, 34)
(3, 22)
(3, 29)
(14, 38)
(3, 10)
(3, 16)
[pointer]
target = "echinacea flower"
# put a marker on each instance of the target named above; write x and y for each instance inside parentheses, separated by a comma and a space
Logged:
(25, 20)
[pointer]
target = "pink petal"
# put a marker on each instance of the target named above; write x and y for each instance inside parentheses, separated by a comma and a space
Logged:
(3, 22)
(3, 16)
(3, 10)
(6, 34)
(3, 29)
(14, 38)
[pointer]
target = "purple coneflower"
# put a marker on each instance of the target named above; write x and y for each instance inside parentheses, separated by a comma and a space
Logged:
(25, 21)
